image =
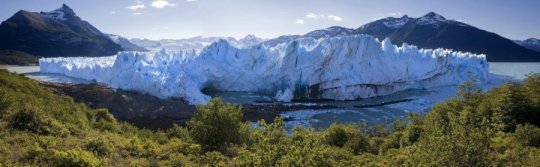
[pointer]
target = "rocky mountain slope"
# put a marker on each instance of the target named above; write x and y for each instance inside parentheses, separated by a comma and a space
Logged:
(51, 34)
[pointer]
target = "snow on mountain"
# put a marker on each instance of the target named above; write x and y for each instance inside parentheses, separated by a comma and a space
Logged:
(531, 43)
(395, 22)
(145, 43)
(329, 32)
(51, 34)
(340, 68)
(125, 43)
(193, 44)
(247, 41)
(431, 18)
(57, 14)
(280, 39)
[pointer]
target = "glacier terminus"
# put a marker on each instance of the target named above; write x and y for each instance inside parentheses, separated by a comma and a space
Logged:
(337, 68)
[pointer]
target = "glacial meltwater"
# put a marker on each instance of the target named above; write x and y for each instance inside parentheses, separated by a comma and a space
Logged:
(34, 73)
(370, 111)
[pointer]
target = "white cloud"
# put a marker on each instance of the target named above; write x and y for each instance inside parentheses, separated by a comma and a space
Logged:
(396, 14)
(135, 7)
(192, 0)
(311, 15)
(300, 21)
(335, 18)
(113, 12)
(323, 16)
(137, 13)
(138, 5)
(162, 4)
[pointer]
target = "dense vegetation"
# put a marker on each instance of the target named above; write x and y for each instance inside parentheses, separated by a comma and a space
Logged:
(497, 128)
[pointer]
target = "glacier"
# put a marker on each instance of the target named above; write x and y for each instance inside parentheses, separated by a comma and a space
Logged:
(338, 68)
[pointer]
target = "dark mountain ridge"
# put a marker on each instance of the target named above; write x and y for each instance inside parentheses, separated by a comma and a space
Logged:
(531, 43)
(57, 33)
(434, 31)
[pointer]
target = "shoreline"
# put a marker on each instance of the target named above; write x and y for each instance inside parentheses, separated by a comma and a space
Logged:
(147, 111)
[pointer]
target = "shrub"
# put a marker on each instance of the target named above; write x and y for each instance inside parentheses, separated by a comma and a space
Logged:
(99, 146)
(216, 124)
(178, 132)
(74, 157)
(36, 122)
(346, 136)
(528, 135)
(104, 115)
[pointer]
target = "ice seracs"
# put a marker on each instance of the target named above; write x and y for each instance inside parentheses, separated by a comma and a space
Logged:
(285, 95)
(340, 68)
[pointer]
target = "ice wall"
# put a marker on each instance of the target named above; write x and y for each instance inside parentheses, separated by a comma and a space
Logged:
(337, 68)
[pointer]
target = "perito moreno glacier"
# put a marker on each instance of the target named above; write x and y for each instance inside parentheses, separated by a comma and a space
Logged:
(338, 68)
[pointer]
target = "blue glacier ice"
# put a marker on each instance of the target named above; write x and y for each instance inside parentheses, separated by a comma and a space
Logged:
(339, 68)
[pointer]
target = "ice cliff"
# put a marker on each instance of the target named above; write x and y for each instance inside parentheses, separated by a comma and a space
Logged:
(340, 68)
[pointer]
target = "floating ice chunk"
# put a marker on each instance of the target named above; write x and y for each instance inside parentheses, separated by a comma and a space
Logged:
(284, 96)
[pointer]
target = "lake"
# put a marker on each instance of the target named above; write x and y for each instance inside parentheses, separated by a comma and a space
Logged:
(418, 101)
(33, 72)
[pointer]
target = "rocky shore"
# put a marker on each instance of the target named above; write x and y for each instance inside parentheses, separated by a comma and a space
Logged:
(147, 111)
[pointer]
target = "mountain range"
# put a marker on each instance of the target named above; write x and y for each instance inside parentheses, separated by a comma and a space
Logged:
(194, 43)
(125, 43)
(62, 33)
(434, 31)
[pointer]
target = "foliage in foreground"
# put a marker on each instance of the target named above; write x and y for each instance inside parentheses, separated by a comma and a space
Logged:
(497, 128)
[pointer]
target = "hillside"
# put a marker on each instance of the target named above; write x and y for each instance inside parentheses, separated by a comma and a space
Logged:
(531, 43)
(435, 31)
(45, 129)
(51, 34)
(10, 57)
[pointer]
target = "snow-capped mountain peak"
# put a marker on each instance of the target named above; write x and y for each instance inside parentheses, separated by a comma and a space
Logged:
(125, 43)
(431, 18)
(329, 32)
(339, 30)
(247, 41)
(60, 13)
(196, 43)
(532, 41)
(396, 22)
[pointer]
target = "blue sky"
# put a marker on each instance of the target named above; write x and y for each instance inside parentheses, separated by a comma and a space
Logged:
(514, 19)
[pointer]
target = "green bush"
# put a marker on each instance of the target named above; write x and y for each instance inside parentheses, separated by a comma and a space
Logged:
(74, 157)
(216, 125)
(528, 135)
(104, 115)
(178, 132)
(99, 146)
(346, 136)
(35, 121)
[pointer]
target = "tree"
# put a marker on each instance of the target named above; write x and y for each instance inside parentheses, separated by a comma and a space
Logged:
(216, 124)
(455, 133)
(346, 136)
